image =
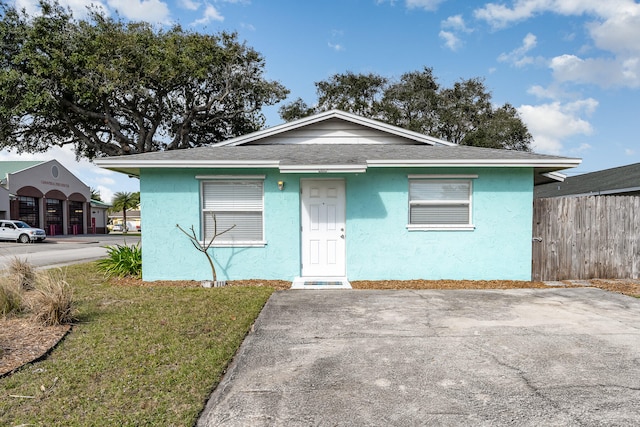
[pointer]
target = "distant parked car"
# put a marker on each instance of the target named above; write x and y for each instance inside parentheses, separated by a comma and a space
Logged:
(20, 231)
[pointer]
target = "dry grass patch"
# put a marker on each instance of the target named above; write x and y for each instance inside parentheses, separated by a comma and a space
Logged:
(11, 297)
(22, 272)
(52, 301)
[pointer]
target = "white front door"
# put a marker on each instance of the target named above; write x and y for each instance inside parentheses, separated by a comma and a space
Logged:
(323, 227)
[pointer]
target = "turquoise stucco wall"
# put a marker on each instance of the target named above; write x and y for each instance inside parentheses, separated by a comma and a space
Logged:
(379, 246)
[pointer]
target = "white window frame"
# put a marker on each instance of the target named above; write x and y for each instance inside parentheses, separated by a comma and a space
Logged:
(441, 178)
(204, 179)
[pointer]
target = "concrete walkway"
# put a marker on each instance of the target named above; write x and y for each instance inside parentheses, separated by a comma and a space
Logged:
(562, 357)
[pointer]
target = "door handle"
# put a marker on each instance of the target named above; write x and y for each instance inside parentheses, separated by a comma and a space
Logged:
(342, 236)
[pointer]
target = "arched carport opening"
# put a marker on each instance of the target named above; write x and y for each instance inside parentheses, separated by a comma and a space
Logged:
(54, 212)
(77, 203)
(26, 206)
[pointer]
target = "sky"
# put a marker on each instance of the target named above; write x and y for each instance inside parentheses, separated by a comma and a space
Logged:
(570, 67)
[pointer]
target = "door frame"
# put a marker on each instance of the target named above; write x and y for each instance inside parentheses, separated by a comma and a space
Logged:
(344, 223)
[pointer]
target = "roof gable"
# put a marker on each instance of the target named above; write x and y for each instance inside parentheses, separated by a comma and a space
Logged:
(334, 127)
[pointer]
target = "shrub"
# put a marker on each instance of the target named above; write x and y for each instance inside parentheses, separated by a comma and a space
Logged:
(22, 272)
(11, 300)
(122, 261)
(52, 302)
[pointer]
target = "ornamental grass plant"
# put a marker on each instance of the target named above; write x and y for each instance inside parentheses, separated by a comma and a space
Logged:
(22, 272)
(122, 261)
(11, 297)
(51, 302)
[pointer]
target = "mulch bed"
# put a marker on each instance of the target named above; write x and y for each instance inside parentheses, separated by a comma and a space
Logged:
(23, 341)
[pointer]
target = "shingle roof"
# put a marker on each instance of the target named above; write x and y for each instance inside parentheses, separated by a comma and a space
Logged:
(260, 150)
(314, 154)
(620, 180)
(335, 158)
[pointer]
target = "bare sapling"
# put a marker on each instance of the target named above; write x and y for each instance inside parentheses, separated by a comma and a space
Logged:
(203, 246)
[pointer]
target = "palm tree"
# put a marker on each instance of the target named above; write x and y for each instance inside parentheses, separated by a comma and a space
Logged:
(95, 194)
(122, 201)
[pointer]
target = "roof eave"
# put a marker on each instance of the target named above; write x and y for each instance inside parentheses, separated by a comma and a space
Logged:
(132, 167)
(556, 164)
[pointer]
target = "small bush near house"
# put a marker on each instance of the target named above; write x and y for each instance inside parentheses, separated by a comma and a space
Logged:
(122, 261)
(22, 272)
(52, 303)
(11, 300)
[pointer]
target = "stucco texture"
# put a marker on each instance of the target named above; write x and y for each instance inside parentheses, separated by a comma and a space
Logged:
(379, 246)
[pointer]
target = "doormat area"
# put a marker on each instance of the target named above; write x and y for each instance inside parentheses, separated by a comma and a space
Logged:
(321, 283)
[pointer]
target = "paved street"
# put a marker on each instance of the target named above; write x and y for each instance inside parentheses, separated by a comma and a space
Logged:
(62, 250)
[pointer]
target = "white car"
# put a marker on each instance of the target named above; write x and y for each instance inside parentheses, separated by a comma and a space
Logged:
(20, 231)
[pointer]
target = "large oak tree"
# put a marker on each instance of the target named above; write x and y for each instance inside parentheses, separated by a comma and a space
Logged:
(111, 87)
(463, 114)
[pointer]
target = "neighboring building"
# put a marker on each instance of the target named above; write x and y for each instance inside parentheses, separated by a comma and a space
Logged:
(5, 199)
(133, 219)
(46, 195)
(99, 217)
(336, 197)
(620, 181)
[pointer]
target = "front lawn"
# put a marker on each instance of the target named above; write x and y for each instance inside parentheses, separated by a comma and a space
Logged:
(136, 356)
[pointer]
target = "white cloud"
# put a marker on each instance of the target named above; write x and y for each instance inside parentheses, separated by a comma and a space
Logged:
(105, 181)
(518, 57)
(604, 72)
(614, 29)
(429, 5)
(629, 152)
(247, 26)
(210, 14)
(498, 15)
(551, 123)
(106, 193)
(190, 4)
(142, 10)
(337, 47)
(542, 92)
(455, 22)
(582, 148)
(451, 41)
(450, 27)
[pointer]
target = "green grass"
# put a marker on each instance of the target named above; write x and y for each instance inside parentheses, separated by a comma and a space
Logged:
(137, 356)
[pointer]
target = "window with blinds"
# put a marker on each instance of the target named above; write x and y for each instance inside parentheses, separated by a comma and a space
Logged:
(238, 206)
(440, 203)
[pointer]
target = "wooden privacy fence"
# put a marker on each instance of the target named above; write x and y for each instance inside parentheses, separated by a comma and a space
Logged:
(586, 238)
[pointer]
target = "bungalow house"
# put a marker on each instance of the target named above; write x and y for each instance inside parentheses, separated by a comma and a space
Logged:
(337, 197)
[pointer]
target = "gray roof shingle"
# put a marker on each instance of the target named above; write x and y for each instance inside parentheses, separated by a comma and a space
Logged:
(314, 154)
(619, 180)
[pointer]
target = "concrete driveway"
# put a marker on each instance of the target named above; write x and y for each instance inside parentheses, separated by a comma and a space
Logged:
(531, 357)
